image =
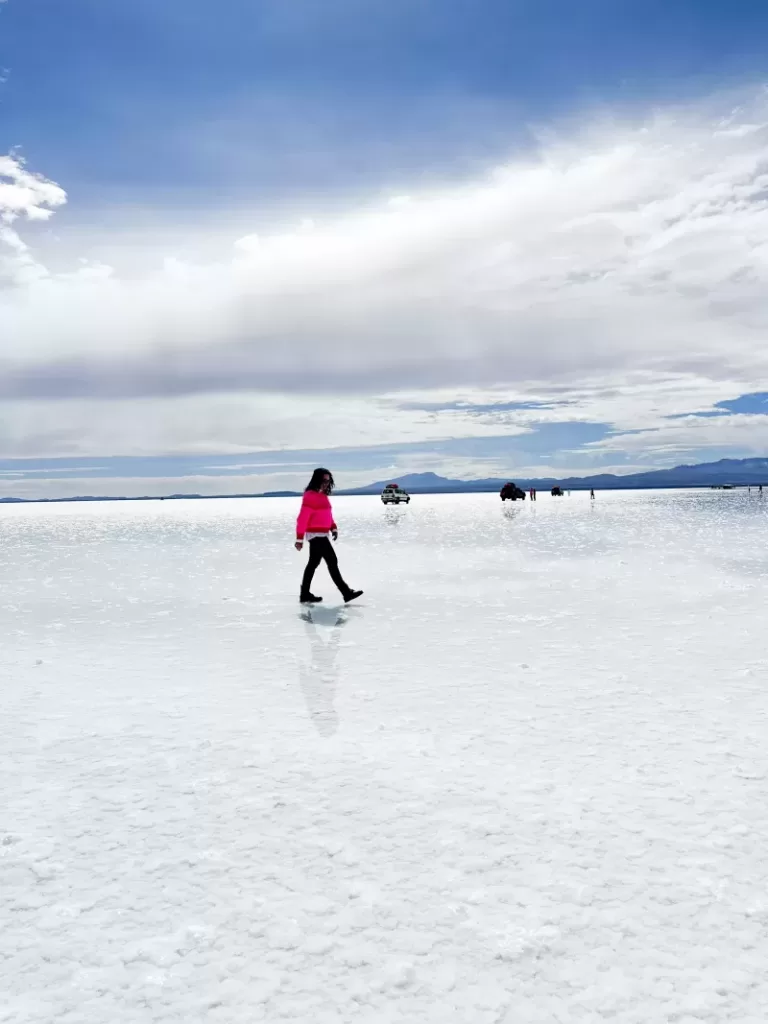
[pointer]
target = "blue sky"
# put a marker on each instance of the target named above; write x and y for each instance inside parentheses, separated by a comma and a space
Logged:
(481, 238)
(107, 95)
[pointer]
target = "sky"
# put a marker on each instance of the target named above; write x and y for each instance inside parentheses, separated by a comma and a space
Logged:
(487, 238)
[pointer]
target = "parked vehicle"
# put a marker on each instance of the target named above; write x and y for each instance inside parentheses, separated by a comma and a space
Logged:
(557, 492)
(393, 494)
(512, 492)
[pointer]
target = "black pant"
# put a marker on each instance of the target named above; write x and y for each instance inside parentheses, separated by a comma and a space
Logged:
(320, 548)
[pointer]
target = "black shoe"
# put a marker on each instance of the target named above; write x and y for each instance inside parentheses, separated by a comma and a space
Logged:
(351, 595)
(309, 599)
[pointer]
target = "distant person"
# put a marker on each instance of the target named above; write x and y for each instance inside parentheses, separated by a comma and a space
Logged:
(533, 494)
(592, 492)
(760, 489)
(314, 524)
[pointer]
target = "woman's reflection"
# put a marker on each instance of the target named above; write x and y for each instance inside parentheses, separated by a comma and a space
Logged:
(318, 678)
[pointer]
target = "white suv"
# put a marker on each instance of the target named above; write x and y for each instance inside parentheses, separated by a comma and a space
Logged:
(393, 494)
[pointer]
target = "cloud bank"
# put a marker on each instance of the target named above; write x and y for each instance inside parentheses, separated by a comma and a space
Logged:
(625, 264)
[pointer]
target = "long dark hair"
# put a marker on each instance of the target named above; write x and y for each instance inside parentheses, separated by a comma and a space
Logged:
(318, 479)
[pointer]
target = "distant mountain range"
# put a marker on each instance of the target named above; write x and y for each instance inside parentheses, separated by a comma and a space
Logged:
(739, 472)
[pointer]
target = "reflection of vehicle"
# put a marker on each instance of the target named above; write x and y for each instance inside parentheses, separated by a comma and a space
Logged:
(557, 492)
(511, 491)
(393, 494)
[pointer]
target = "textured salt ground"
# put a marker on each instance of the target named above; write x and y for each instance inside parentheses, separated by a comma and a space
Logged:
(524, 780)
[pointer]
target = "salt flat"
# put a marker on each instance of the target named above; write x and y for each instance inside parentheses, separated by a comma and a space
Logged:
(523, 780)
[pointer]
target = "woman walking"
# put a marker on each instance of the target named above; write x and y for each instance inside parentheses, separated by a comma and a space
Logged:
(314, 524)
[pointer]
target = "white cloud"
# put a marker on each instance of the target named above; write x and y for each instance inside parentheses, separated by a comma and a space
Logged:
(23, 195)
(222, 423)
(636, 399)
(16, 474)
(746, 434)
(626, 264)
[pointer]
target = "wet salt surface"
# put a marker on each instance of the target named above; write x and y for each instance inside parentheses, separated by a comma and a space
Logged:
(523, 780)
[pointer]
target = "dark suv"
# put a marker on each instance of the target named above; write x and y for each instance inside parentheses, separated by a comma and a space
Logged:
(511, 491)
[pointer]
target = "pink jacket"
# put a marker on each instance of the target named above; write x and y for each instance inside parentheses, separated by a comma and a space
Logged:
(315, 515)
